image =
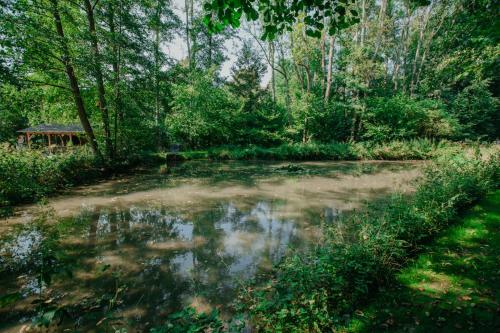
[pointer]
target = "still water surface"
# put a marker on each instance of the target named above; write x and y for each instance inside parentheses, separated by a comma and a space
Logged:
(143, 246)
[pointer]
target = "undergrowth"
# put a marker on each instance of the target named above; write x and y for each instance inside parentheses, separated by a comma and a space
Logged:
(28, 175)
(420, 149)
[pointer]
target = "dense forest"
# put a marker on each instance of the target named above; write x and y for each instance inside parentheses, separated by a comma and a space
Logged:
(395, 70)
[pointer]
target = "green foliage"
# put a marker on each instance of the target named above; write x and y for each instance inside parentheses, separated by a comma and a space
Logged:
(477, 111)
(11, 115)
(247, 73)
(278, 18)
(205, 114)
(318, 290)
(26, 175)
(401, 117)
(202, 113)
(189, 321)
(418, 149)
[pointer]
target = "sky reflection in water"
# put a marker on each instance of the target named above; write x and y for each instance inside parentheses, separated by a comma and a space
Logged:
(168, 242)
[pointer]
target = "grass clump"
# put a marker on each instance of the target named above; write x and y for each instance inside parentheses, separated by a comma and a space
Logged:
(315, 291)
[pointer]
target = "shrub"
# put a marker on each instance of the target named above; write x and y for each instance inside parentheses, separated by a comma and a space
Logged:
(26, 175)
(401, 117)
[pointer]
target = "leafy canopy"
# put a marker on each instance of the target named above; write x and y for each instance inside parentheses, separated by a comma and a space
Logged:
(280, 16)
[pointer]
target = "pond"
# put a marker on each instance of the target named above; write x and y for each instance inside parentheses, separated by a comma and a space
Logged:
(127, 252)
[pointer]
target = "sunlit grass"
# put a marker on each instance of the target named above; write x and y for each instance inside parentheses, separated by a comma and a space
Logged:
(452, 286)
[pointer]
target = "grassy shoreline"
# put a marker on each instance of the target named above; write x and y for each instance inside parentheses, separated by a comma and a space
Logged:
(452, 285)
(419, 149)
(322, 289)
(29, 175)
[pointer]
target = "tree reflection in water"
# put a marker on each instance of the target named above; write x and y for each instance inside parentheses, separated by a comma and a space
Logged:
(161, 260)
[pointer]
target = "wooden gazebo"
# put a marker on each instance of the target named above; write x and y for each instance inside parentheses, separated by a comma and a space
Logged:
(65, 133)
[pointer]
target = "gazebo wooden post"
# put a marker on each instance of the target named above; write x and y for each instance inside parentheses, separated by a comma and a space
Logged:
(54, 133)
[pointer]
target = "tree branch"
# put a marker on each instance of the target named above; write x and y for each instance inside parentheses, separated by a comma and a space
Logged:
(46, 84)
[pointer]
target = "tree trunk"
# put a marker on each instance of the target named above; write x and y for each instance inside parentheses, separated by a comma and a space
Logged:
(323, 56)
(73, 81)
(417, 54)
(363, 23)
(300, 78)
(116, 49)
(99, 77)
(157, 66)
(330, 64)
(381, 18)
(273, 79)
(188, 43)
(283, 71)
(210, 46)
(308, 78)
(405, 40)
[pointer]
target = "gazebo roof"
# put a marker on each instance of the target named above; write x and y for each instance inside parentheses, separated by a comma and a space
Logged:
(53, 129)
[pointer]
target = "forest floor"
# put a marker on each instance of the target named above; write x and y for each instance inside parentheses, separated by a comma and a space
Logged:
(453, 286)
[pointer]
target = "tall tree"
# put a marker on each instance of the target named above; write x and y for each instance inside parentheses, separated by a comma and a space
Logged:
(97, 69)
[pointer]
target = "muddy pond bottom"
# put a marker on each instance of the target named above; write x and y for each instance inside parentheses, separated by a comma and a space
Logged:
(126, 253)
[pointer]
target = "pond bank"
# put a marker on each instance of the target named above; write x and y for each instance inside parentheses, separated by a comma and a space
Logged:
(29, 175)
(322, 289)
(132, 255)
(452, 286)
(418, 149)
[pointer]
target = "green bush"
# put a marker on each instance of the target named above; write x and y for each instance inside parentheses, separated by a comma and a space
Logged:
(402, 117)
(26, 175)
(315, 291)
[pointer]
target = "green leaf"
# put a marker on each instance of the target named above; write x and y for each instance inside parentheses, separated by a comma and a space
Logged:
(8, 299)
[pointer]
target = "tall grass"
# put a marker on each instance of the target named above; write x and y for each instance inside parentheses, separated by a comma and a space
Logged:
(396, 150)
